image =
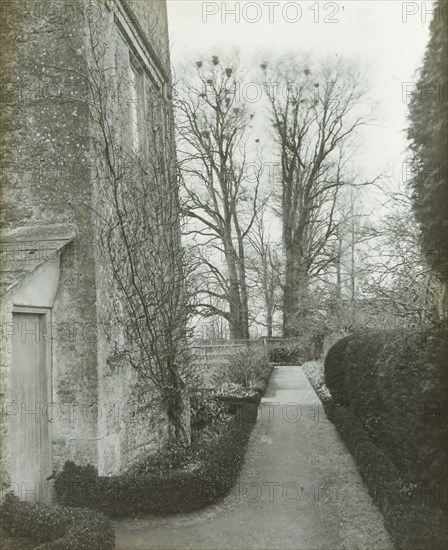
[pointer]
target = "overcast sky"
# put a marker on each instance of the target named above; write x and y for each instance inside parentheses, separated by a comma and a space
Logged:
(387, 37)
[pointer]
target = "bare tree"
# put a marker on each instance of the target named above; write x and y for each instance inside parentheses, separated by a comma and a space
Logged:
(399, 274)
(351, 265)
(221, 187)
(313, 116)
(265, 264)
(339, 289)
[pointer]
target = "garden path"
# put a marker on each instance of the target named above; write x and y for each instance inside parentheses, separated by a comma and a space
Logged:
(298, 489)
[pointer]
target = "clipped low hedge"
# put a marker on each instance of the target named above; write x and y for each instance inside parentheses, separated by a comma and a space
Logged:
(260, 386)
(180, 490)
(53, 527)
(261, 383)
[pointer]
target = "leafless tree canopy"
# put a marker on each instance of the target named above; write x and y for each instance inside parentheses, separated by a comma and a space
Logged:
(222, 196)
(313, 113)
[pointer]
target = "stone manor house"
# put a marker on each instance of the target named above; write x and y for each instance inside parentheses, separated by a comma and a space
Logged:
(61, 400)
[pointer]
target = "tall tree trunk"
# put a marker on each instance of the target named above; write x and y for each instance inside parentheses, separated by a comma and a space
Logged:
(241, 259)
(234, 310)
(244, 300)
(269, 298)
(238, 323)
(302, 292)
(290, 298)
(352, 251)
(269, 322)
(295, 299)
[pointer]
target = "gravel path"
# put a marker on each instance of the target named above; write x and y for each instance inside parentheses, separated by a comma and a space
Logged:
(298, 490)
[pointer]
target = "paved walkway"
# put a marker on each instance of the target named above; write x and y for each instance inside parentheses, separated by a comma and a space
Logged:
(298, 490)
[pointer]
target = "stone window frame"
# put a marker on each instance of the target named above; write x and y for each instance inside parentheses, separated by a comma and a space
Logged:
(137, 105)
(142, 60)
(136, 44)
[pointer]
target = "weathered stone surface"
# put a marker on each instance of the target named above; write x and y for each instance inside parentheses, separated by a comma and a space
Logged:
(48, 178)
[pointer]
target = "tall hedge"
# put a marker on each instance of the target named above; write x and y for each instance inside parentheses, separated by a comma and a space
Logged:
(428, 135)
(390, 404)
(397, 385)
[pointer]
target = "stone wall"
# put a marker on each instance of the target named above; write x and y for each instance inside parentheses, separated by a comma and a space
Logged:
(46, 180)
(48, 176)
(133, 421)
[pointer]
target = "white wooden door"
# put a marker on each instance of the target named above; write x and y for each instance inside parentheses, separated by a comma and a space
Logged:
(31, 462)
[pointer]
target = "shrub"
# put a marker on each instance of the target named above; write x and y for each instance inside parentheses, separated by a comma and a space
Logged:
(207, 475)
(244, 368)
(252, 369)
(205, 409)
(56, 527)
(290, 352)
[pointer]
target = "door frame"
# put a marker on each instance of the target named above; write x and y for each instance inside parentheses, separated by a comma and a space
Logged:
(47, 316)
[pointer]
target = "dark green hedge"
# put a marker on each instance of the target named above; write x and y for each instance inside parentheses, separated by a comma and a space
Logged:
(411, 523)
(167, 492)
(54, 527)
(391, 394)
(334, 373)
(396, 383)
